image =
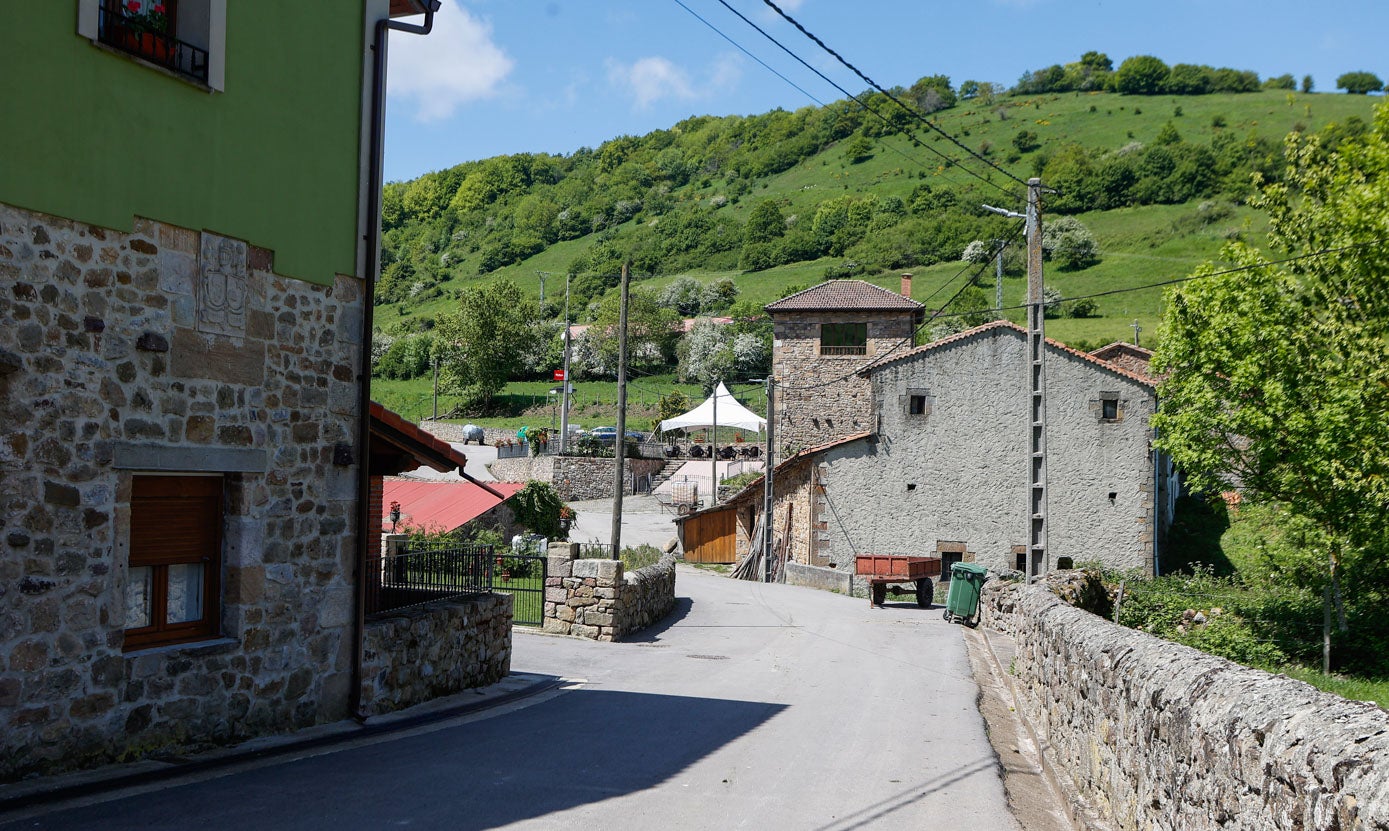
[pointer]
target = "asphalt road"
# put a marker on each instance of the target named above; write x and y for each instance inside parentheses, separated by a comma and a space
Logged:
(752, 706)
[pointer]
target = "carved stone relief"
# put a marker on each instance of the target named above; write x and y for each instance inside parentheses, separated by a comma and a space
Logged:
(222, 286)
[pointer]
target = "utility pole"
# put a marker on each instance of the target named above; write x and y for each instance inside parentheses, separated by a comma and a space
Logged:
(542, 275)
(768, 488)
(620, 445)
(998, 276)
(714, 451)
(565, 386)
(436, 387)
(1039, 557)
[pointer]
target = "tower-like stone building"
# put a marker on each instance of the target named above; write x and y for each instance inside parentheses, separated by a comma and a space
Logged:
(824, 337)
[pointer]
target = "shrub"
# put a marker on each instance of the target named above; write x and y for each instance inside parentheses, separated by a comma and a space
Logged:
(1084, 307)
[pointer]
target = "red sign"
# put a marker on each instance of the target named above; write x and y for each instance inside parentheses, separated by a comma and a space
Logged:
(559, 375)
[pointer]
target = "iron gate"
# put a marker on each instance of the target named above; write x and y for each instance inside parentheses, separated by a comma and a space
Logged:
(523, 577)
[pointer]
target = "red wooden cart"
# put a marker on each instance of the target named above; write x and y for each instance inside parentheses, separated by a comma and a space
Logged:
(884, 573)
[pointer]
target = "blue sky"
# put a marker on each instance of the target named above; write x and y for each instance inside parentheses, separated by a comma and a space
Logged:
(511, 76)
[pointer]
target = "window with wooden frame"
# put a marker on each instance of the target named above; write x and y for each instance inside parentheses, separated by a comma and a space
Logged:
(173, 585)
(843, 338)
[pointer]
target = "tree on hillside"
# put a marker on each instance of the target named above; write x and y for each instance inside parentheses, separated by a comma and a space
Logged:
(481, 345)
(1307, 83)
(1359, 83)
(858, 149)
(1141, 75)
(1067, 242)
(1278, 375)
(765, 222)
(652, 332)
(932, 93)
(1285, 81)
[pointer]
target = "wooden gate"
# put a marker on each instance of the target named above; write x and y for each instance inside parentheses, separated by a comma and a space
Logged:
(712, 537)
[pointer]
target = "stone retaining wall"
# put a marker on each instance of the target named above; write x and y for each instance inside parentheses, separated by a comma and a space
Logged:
(1155, 735)
(527, 469)
(420, 654)
(817, 577)
(575, 477)
(595, 599)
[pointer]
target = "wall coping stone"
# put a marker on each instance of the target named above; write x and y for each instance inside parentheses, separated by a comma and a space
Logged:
(182, 457)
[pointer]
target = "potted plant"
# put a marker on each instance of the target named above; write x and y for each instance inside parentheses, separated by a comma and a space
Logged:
(566, 518)
(145, 26)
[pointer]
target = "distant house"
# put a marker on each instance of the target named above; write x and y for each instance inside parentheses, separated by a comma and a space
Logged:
(821, 338)
(450, 506)
(944, 471)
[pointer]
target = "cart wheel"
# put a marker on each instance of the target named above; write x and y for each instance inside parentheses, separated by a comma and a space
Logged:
(945, 615)
(923, 593)
(879, 593)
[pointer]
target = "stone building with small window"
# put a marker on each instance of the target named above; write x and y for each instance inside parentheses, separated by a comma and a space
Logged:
(821, 338)
(944, 469)
(185, 210)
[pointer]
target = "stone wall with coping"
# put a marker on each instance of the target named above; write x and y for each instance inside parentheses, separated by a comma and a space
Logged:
(415, 655)
(596, 599)
(1155, 735)
(818, 577)
(168, 350)
(579, 477)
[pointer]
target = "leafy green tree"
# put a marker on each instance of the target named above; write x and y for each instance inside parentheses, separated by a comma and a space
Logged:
(1286, 81)
(1026, 141)
(858, 149)
(766, 222)
(1278, 375)
(1307, 83)
(537, 507)
(480, 346)
(1359, 83)
(1168, 135)
(652, 332)
(1190, 79)
(670, 405)
(1141, 75)
(932, 93)
(683, 295)
(718, 295)
(1067, 242)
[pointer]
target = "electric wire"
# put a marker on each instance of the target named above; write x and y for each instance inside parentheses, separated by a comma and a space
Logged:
(875, 85)
(953, 162)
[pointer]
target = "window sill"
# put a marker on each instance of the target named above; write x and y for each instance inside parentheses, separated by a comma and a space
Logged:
(211, 646)
(162, 70)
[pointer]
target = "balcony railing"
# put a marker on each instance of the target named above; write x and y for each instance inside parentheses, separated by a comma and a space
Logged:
(118, 31)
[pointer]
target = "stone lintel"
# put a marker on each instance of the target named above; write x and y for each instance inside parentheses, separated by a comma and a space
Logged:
(180, 458)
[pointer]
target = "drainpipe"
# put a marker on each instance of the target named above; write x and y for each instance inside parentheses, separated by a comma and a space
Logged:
(372, 268)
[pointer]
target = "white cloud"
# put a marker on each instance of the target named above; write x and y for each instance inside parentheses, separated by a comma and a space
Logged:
(653, 79)
(455, 63)
(650, 80)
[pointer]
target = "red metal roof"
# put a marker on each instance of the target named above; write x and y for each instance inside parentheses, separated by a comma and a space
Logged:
(845, 295)
(441, 506)
(1009, 326)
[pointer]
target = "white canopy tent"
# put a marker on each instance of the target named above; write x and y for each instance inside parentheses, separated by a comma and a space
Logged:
(721, 406)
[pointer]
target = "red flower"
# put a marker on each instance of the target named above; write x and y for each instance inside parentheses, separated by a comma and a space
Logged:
(159, 9)
(133, 6)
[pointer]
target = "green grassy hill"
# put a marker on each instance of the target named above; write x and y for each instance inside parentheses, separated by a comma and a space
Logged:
(446, 246)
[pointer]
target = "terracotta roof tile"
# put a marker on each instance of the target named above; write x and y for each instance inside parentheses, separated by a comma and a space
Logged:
(1006, 325)
(431, 451)
(442, 505)
(845, 295)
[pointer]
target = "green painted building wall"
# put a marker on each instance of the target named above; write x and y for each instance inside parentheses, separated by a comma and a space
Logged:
(92, 135)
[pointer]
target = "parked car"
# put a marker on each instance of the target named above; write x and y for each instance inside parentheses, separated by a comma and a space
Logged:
(608, 435)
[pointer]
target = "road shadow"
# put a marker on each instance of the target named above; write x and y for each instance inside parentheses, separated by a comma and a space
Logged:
(653, 633)
(578, 748)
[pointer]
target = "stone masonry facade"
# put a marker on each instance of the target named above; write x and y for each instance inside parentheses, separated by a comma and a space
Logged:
(160, 351)
(837, 401)
(1148, 734)
(595, 599)
(416, 655)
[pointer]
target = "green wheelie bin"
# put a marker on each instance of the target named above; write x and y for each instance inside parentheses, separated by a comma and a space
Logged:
(962, 603)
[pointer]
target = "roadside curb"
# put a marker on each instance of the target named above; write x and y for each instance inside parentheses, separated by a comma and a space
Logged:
(42, 791)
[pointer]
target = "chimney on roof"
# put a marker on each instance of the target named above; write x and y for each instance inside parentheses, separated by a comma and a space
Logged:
(907, 285)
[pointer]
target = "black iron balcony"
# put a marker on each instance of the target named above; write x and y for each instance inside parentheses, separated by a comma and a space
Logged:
(120, 31)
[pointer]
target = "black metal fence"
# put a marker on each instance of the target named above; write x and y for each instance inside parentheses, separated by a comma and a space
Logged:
(426, 572)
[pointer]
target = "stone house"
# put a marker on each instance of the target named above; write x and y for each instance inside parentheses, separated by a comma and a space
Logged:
(944, 471)
(186, 251)
(822, 337)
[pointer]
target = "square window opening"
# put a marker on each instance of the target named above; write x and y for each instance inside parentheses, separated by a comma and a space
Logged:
(1109, 409)
(843, 338)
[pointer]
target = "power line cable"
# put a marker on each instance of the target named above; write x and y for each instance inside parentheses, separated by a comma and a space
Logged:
(875, 85)
(864, 104)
